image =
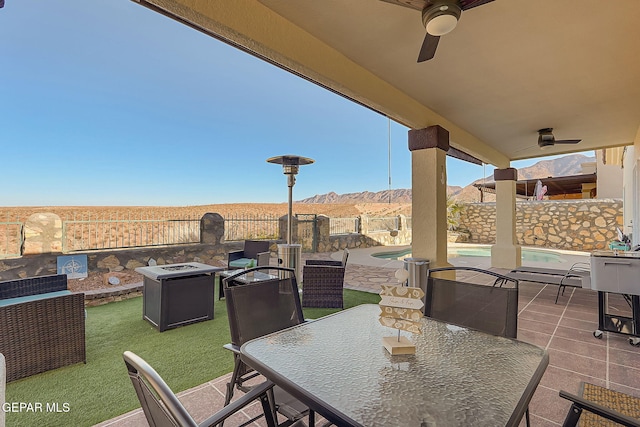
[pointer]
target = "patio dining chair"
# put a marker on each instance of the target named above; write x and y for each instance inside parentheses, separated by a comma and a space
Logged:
(600, 406)
(269, 303)
(162, 408)
(491, 308)
(488, 308)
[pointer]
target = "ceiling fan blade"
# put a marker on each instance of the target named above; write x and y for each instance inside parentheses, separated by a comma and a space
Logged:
(412, 4)
(567, 141)
(469, 4)
(428, 49)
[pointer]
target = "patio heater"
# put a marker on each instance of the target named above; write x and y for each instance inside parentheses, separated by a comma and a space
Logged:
(289, 253)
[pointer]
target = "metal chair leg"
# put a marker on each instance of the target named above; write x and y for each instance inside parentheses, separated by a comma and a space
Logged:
(573, 416)
(234, 378)
(558, 294)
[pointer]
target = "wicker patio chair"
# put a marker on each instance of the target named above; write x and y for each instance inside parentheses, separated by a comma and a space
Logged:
(599, 406)
(323, 282)
(256, 250)
(162, 408)
(42, 325)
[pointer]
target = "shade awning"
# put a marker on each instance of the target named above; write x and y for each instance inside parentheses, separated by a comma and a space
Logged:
(556, 186)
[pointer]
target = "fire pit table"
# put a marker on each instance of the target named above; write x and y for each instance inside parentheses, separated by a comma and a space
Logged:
(177, 294)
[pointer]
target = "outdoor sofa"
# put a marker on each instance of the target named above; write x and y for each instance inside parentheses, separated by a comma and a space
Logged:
(42, 325)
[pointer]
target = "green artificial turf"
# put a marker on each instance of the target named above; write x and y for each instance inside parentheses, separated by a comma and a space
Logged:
(86, 394)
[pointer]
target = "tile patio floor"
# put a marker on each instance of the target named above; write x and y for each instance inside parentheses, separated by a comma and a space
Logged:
(565, 330)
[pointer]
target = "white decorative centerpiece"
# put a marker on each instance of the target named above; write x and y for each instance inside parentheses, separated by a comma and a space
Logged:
(400, 309)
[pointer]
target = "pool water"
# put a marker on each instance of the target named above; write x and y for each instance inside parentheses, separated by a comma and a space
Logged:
(481, 251)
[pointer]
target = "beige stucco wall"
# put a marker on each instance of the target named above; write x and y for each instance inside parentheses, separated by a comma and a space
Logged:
(610, 178)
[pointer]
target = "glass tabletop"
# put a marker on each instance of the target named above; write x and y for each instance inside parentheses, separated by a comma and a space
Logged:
(458, 377)
(254, 276)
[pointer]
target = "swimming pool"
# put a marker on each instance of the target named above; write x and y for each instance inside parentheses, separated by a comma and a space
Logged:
(533, 255)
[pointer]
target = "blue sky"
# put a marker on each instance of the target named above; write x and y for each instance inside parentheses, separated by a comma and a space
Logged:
(104, 102)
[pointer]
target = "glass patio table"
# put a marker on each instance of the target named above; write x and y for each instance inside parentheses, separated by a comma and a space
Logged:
(458, 377)
(256, 276)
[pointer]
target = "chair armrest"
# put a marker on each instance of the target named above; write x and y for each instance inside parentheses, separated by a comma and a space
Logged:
(263, 258)
(231, 347)
(580, 269)
(323, 262)
(580, 403)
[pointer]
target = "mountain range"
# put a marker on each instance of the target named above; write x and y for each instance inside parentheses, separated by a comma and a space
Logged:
(562, 166)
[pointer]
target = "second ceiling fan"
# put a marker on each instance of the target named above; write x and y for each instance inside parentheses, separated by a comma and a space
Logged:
(546, 139)
(439, 18)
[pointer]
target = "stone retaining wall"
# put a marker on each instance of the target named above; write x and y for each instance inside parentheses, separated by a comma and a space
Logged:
(577, 225)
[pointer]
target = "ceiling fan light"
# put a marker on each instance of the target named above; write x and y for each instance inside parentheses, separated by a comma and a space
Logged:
(441, 18)
(441, 24)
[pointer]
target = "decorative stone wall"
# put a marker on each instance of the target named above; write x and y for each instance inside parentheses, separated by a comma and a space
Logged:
(578, 225)
(42, 234)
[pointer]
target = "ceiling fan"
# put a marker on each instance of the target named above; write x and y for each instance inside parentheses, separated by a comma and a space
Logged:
(439, 18)
(546, 139)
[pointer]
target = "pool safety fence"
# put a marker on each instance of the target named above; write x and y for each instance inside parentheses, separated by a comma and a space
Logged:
(386, 223)
(344, 225)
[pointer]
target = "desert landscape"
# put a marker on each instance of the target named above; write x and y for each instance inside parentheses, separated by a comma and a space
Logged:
(338, 210)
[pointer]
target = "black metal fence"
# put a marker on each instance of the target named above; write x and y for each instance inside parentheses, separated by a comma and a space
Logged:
(251, 227)
(84, 233)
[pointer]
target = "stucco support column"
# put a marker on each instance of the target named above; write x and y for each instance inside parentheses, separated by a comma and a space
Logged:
(506, 253)
(429, 148)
